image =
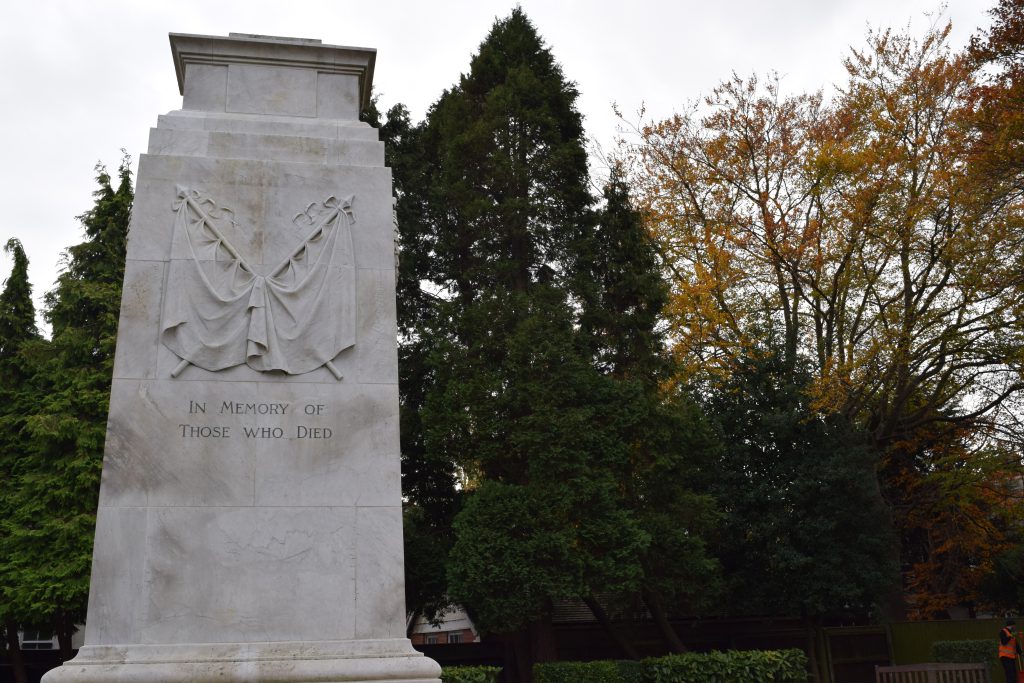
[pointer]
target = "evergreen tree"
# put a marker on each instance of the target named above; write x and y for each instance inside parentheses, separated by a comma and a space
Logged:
(671, 443)
(626, 291)
(531, 362)
(509, 198)
(17, 331)
(502, 221)
(56, 519)
(541, 434)
(17, 312)
(805, 529)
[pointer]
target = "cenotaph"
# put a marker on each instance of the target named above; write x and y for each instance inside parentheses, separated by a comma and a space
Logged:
(249, 525)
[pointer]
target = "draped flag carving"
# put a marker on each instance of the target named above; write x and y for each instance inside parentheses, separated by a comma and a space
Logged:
(219, 311)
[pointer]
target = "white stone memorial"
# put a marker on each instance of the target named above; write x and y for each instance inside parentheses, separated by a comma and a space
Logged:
(249, 526)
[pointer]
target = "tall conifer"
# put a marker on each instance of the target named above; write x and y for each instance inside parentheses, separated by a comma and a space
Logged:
(17, 398)
(56, 521)
(512, 393)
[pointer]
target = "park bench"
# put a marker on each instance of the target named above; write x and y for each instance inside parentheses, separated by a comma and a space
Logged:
(933, 673)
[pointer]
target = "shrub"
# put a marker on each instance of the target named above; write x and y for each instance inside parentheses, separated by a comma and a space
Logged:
(630, 671)
(964, 651)
(470, 674)
(756, 666)
(576, 672)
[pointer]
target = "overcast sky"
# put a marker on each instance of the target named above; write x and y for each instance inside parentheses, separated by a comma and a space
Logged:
(83, 79)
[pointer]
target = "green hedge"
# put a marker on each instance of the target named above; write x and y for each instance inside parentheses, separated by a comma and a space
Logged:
(755, 666)
(965, 651)
(572, 672)
(470, 674)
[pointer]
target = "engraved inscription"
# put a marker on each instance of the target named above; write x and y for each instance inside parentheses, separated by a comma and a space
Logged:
(253, 408)
(205, 431)
(254, 430)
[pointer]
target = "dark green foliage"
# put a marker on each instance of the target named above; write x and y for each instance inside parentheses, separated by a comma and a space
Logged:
(630, 671)
(670, 462)
(427, 544)
(66, 427)
(1003, 585)
(671, 444)
(470, 674)
(755, 666)
(530, 361)
(508, 195)
(495, 216)
(965, 651)
(805, 528)
(625, 291)
(17, 397)
(17, 312)
(571, 672)
(545, 431)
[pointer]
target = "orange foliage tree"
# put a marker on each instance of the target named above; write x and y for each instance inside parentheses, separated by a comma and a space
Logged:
(856, 236)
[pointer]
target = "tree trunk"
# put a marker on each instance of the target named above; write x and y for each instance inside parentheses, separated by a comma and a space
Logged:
(527, 646)
(542, 639)
(811, 624)
(65, 628)
(602, 618)
(411, 624)
(14, 652)
(518, 667)
(523, 657)
(669, 634)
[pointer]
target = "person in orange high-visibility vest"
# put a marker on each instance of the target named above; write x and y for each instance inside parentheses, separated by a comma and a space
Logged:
(1009, 648)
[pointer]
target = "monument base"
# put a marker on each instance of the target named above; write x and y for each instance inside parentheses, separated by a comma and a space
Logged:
(353, 661)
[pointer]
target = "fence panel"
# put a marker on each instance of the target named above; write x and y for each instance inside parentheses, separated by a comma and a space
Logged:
(932, 673)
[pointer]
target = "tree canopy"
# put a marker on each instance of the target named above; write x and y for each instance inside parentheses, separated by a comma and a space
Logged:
(63, 425)
(860, 233)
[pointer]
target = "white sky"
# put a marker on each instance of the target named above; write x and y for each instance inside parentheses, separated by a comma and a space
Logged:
(81, 79)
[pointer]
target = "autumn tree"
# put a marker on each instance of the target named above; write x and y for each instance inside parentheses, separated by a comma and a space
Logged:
(998, 157)
(940, 298)
(997, 168)
(731, 201)
(850, 231)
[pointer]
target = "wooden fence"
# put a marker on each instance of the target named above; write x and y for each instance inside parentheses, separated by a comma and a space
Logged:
(933, 673)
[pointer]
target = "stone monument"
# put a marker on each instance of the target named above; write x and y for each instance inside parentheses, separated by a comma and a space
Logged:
(249, 526)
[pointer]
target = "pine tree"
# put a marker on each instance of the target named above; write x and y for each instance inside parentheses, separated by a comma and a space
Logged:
(67, 427)
(17, 331)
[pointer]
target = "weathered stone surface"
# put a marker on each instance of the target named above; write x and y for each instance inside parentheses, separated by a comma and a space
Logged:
(352, 661)
(250, 512)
